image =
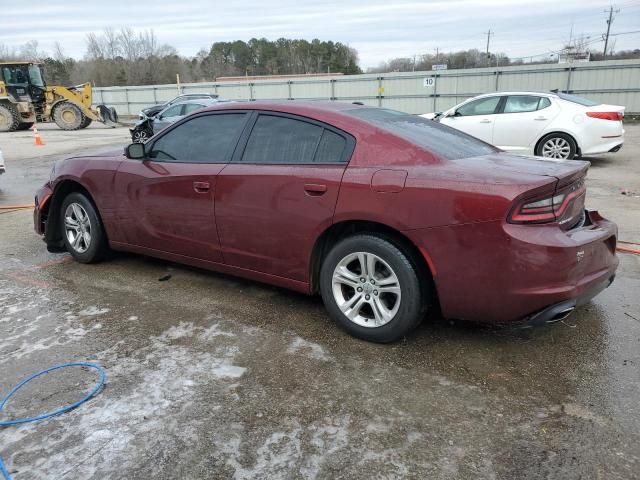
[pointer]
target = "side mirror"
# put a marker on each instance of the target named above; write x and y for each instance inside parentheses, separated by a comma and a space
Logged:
(135, 151)
(456, 114)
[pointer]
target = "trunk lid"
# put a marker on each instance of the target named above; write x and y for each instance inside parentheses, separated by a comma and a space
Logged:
(565, 171)
(606, 108)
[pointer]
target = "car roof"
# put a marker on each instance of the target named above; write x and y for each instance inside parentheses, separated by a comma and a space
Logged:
(291, 106)
(204, 101)
(501, 94)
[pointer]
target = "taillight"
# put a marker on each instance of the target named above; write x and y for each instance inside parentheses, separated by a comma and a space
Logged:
(616, 116)
(547, 208)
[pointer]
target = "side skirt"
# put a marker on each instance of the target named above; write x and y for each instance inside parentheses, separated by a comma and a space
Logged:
(302, 287)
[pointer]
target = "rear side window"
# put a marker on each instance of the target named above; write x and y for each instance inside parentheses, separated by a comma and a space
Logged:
(204, 139)
(331, 148)
(521, 104)
(441, 140)
(282, 140)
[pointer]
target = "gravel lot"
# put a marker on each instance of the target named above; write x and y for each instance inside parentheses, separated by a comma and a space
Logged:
(210, 376)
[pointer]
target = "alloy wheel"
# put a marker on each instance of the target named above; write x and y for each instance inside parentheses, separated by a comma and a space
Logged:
(556, 147)
(366, 289)
(141, 136)
(77, 227)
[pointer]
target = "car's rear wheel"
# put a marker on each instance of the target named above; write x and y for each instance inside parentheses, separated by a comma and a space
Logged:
(82, 229)
(371, 288)
(557, 145)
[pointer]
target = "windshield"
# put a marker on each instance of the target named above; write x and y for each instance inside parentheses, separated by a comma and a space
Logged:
(575, 99)
(444, 141)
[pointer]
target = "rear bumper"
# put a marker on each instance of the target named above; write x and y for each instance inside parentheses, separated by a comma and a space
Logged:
(495, 272)
(559, 311)
(603, 145)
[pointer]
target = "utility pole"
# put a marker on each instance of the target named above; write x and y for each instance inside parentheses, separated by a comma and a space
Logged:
(488, 40)
(606, 38)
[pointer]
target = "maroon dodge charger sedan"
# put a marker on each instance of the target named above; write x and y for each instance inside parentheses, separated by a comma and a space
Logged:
(383, 213)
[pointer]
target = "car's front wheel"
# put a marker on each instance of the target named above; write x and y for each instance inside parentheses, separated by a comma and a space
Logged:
(371, 288)
(557, 145)
(82, 229)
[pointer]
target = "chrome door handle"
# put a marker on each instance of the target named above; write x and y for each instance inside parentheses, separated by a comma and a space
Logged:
(540, 118)
(485, 121)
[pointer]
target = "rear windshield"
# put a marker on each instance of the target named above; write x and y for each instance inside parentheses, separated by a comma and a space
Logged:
(575, 99)
(439, 139)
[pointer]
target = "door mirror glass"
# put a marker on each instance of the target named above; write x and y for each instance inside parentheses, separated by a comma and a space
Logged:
(135, 151)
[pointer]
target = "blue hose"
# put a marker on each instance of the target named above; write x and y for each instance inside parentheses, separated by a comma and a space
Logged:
(3, 468)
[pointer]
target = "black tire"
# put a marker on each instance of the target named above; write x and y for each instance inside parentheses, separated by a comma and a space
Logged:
(68, 116)
(87, 121)
(97, 247)
(561, 138)
(413, 292)
(9, 118)
(25, 126)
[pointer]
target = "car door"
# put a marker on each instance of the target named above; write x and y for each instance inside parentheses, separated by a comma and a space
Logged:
(475, 118)
(279, 193)
(521, 121)
(167, 117)
(166, 201)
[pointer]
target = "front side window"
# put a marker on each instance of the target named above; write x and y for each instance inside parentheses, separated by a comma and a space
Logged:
(191, 107)
(521, 104)
(174, 111)
(483, 106)
(204, 139)
(278, 140)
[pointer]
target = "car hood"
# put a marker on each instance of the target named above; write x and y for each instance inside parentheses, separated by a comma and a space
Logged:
(110, 152)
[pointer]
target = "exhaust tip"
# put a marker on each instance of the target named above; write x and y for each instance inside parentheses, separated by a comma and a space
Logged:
(561, 315)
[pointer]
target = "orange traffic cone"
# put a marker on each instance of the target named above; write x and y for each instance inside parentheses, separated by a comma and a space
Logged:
(37, 136)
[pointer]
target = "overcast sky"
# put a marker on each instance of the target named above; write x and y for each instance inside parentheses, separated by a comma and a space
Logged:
(378, 29)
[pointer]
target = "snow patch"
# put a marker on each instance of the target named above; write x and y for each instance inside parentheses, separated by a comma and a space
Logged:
(310, 349)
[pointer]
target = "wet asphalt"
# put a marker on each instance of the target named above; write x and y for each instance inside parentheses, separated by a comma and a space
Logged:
(210, 376)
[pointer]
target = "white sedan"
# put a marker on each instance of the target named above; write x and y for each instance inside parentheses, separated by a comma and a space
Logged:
(555, 125)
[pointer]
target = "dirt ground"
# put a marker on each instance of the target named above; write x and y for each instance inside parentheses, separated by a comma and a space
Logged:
(210, 376)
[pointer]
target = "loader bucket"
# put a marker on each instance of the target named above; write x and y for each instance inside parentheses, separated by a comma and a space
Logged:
(108, 115)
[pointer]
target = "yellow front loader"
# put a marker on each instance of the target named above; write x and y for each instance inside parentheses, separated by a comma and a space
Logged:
(26, 99)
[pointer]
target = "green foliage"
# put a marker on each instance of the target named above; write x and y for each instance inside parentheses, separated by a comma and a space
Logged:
(260, 56)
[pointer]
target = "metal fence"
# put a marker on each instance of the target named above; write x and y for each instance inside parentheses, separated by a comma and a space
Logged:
(615, 82)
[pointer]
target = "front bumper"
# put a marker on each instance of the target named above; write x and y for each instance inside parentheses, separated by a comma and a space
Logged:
(495, 272)
(41, 210)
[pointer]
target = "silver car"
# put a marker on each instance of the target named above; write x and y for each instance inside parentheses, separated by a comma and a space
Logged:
(146, 128)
